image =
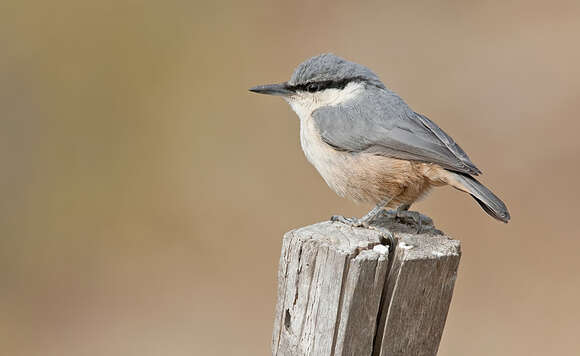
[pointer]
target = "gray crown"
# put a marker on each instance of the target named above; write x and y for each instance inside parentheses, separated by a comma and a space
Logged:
(328, 67)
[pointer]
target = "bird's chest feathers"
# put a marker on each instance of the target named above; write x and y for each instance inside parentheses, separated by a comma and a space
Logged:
(317, 152)
(333, 165)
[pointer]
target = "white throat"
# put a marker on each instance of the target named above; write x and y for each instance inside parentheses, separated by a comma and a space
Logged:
(304, 103)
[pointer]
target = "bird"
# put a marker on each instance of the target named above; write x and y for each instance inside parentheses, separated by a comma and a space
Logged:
(369, 145)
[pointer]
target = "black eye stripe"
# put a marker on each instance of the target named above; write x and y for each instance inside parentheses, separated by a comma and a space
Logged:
(322, 85)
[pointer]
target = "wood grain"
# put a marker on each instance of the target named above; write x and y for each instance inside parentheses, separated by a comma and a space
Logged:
(342, 292)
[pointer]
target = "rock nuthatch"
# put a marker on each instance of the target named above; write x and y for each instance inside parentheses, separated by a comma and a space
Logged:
(369, 145)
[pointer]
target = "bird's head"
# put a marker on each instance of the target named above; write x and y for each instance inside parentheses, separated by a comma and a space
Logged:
(322, 80)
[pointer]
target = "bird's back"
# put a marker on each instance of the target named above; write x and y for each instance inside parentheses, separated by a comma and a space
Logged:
(380, 122)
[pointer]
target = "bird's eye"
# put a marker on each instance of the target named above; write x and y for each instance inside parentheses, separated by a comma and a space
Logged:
(312, 87)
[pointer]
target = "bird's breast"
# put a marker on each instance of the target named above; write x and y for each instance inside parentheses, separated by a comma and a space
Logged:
(334, 166)
(362, 177)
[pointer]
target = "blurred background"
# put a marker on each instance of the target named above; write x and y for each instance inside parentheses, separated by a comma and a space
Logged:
(145, 191)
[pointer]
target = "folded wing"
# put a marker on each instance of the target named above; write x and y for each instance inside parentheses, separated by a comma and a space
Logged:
(380, 122)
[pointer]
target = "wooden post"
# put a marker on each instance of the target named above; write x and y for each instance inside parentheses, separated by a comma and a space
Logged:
(342, 292)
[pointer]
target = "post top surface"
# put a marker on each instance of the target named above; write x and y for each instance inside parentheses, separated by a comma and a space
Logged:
(428, 243)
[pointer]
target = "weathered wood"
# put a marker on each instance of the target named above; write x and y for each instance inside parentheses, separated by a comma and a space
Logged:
(342, 292)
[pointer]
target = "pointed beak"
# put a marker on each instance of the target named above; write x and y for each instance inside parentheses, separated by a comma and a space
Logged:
(280, 89)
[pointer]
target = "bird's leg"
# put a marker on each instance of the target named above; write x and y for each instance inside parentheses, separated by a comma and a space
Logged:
(365, 220)
(403, 211)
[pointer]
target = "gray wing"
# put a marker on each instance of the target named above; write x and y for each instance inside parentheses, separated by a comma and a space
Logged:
(380, 122)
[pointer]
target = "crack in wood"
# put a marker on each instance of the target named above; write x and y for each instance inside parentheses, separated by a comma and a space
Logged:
(337, 295)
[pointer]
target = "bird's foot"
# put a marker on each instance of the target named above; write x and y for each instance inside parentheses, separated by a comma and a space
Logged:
(354, 222)
(415, 215)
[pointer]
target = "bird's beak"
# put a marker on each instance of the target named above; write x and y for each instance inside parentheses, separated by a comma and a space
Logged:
(280, 89)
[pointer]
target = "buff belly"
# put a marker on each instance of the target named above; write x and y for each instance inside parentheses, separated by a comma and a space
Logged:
(365, 177)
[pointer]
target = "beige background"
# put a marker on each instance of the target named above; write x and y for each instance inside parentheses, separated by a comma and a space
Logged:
(144, 191)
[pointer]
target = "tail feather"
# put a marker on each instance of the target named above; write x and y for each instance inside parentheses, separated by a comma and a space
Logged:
(490, 203)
